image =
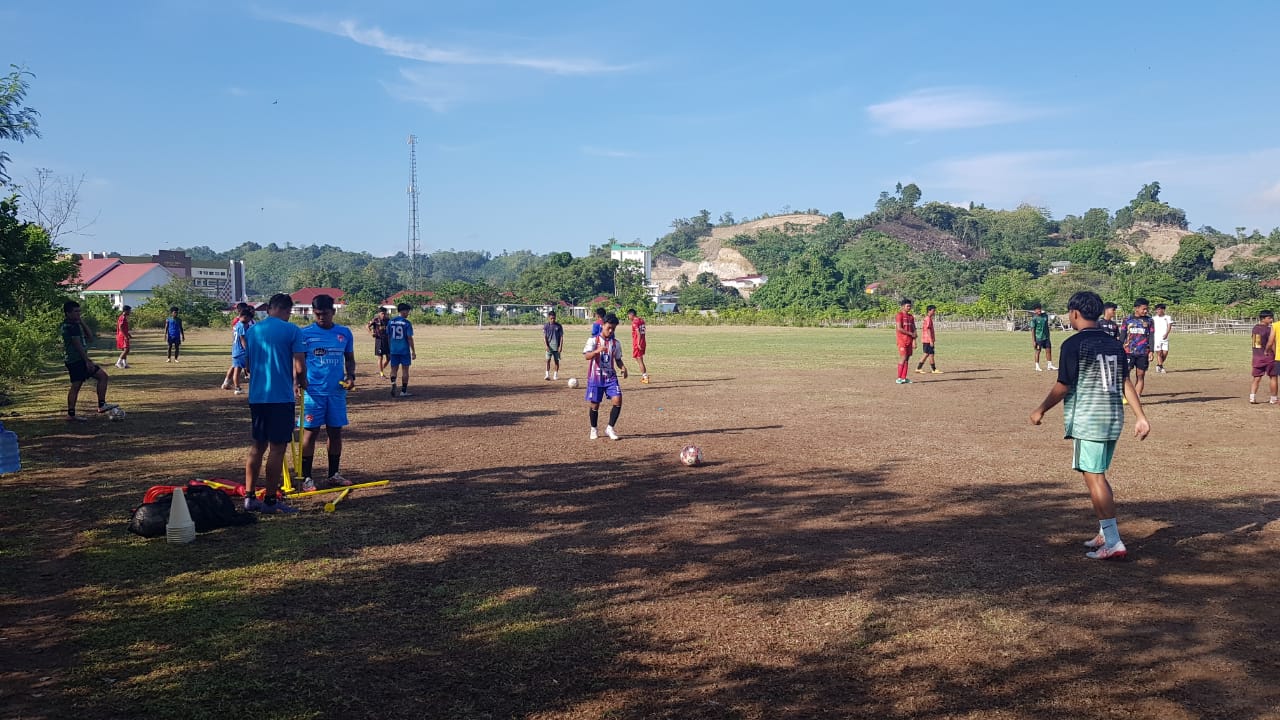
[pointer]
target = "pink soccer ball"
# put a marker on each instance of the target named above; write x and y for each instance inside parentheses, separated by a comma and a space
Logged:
(691, 455)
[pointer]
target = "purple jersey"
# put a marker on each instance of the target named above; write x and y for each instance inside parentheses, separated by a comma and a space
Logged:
(1262, 334)
(1136, 333)
(601, 369)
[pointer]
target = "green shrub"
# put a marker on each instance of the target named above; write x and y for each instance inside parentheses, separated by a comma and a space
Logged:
(28, 345)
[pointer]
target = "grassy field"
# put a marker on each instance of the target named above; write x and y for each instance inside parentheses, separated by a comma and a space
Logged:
(852, 548)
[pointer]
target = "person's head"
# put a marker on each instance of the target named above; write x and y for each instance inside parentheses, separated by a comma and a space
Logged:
(1160, 309)
(1037, 308)
(1266, 317)
(906, 305)
(1140, 306)
(71, 310)
(609, 324)
(174, 311)
(551, 316)
(600, 315)
(127, 309)
(1109, 310)
(280, 306)
(631, 313)
(384, 312)
(404, 308)
(242, 306)
(1083, 309)
(322, 310)
(930, 309)
(247, 313)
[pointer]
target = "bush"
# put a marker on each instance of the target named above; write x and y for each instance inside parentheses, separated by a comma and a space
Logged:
(27, 345)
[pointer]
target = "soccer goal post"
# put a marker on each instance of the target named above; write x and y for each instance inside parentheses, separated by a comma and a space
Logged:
(512, 315)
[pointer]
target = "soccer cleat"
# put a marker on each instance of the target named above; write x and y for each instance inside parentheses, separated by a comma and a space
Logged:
(644, 379)
(555, 376)
(1052, 366)
(252, 504)
(106, 408)
(593, 434)
(77, 418)
(336, 480)
(1097, 542)
(546, 376)
(920, 370)
(1274, 400)
(1109, 552)
(906, 381)
(168, 360)
(608, 430)
(1038, 368)
(239, 391)
(936, 371)
(278, 507)
(405, 393)
(393, 389)
(898, 381)
(226, 385)
(1253, 400)
(308, 485)
(127, 364)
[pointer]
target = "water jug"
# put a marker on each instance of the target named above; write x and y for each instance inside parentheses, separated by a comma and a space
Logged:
(8, 451)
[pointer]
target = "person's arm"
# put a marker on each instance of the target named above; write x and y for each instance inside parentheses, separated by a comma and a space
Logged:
(1142, 428)
(300, 370)
(350, 358)
(617, 359)
(182, 331)
(1055, 396)
(413, 349)
(85, 332)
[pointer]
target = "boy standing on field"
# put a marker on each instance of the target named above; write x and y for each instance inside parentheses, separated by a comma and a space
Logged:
(175, 334)
(1136, 332)
(553, 337)
(904, 324)
(1040, 336)
(604, 358)
(638, 344)
(239, 350)
(124, 337)
(1264, 355)
(278, 366)
(403, 351)
(1163, 324)
(1090, 383)
(381, 346)
(598, 322)
(79, 367)
(1108, 320)
(331, 371)
(927, 340)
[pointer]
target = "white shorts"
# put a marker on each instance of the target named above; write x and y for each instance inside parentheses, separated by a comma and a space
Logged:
(1161, 345)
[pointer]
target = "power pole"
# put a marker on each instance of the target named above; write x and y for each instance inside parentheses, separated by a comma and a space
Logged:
(413, 211)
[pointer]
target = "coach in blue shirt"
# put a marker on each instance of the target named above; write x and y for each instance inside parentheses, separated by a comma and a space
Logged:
(275, 355)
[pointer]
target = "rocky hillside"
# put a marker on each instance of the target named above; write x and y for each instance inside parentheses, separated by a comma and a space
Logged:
(923, 237)
(1159, 241)
(726, 262)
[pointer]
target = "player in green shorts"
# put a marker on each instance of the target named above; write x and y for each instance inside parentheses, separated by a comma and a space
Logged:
(1091, 382)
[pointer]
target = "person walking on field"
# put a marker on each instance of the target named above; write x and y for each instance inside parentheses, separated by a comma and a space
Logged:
(76, 357)
(1136, 332)
(1160, 344)
(381, 345)
(1264, 356)
(124, 337)
(904, 324)
(927, 342)
(1040, 336)
(638, 344)
(603, 354)
(175, 334)
(1090, 383)
(277, 362)
(553, 338)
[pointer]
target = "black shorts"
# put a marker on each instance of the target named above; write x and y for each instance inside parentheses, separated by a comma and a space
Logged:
(79, 371)
(272, 422)
(1138, 362)
(381, 346)
(928, 348)
(1044, 344)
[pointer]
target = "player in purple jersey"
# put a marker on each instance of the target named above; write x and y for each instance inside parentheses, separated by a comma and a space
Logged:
(1264, 356)
(1136, 333)
(604, 358)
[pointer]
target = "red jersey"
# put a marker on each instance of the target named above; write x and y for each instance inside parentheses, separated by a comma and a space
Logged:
(637, 336)
(926, 332)
(122, 325)
(908, 321)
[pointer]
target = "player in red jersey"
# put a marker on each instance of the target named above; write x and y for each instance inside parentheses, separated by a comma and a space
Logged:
(927, 341)
(638, 343)
(905, 328)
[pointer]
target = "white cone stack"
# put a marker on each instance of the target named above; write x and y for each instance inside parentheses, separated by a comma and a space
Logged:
(181, 528)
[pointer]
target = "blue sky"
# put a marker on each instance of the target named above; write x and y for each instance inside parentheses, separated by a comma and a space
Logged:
(555, 126)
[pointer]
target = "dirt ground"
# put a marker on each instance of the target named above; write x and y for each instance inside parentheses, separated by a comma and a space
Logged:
(851, 548)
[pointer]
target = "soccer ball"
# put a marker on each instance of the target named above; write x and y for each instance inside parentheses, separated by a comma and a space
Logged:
(691, 455)
(115, 414)
(573, 382)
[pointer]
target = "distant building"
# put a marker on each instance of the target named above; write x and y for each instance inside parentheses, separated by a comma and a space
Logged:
(1060, 267)
(874, 288)
(304, 298)
(221, 281)
(128, 283)
(746, 284)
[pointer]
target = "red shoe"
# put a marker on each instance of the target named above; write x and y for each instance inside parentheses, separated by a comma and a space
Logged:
(1109, 552)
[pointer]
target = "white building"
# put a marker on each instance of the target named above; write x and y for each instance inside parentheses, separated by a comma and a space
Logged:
(129, 283)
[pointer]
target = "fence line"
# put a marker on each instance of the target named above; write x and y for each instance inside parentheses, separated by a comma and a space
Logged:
(1195, 324)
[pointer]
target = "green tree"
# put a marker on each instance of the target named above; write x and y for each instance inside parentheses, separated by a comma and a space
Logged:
(1009, 288)
(196, 308)
(1092, 254)
(1193, 259)
(33, 270)
(1096, 224)
(17, 122)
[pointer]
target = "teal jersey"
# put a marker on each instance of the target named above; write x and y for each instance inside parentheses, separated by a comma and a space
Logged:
(326, 357)
(1040, 326)
(1092, 365)
(399, 330)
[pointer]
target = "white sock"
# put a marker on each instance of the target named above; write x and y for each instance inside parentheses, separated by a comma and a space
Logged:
(1110, 533)
(1252, 397)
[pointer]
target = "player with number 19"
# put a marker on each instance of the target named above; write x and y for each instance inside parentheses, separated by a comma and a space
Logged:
(403, 351)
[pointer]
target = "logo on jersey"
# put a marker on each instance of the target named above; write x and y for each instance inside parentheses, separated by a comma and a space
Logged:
(320, 352)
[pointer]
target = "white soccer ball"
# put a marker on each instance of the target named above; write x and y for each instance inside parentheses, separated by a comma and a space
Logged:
(115, 414)
(573, 382)
(691, 455)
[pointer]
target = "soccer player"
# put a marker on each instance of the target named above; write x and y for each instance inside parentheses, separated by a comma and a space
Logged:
(604, 358)
(239, 350)
(1163, 324)
(927, 341)
(1040, 336)
(175, 334)
(124, 337)
(553, 337)
(381, 346)
(402, 350)
(638, 344)
(1135, 333)
(904, 324)
(331, 371)
(598, 322)
(276, 361)
(76, 357)
(1108, 320)
(1090, 384)
(1264, 356)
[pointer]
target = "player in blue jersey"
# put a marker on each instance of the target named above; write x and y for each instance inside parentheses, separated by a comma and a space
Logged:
(175, 334)
(331, 371)
(239, 367)
(604, 358)
(275, 360)
(403, 351)
(598, 322)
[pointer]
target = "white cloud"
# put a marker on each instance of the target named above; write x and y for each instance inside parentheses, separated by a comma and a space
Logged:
(947, 109)
(237, 91)
(606, 152)
(395, 46)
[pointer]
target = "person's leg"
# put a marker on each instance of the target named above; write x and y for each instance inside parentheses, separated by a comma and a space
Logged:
(1048, 356)
(644, 371)
(101, 377)
(555, 374)
(547, 375)
(334, 452)
(593, 416)
(1139, 380)
(177, 350)
(1253, 387)
(614, 412)
(1100, 495)
(309, 450)
(404, 380)
(73, 394)
(252, 466)
(1275, 385)
(395, 369)
(275, 470)
(237, 377)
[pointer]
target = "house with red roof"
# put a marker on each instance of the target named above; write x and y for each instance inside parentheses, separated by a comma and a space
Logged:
(304, 297)
(125, 283)
(92, 269)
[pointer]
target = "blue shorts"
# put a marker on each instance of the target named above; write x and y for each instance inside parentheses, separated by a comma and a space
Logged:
(596, 393)
(327, 410)
(1093, 456)
(272, 422)
(239, 362)
(405, 360)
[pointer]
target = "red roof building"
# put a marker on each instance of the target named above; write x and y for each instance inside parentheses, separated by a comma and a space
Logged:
(303, 298)
(93, 269)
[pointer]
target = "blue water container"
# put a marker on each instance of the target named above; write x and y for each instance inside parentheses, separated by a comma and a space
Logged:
(9, 462)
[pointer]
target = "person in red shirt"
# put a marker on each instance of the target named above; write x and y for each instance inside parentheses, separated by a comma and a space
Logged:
(638, 343)
(926, 342)
(123, 336)
(905, 329)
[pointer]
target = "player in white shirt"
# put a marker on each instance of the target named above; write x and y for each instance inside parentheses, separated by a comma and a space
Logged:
(1160, 342)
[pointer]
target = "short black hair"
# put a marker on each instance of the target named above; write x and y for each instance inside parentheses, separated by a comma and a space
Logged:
(905, 301)
(128, 308)
(1161, 306)
(246, 311)
(1109, 305)
(173, 308)
(610, 319)
(1037, 306)
(383, 309)
(280, 301)
(1140, 302)
(1087, 303)
(930, 307)
(69, 305)
(631, 311)
(322, 302)
(243, 305)
(551, 313)
(403, 306)
(1266, 314)
(600, 312)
